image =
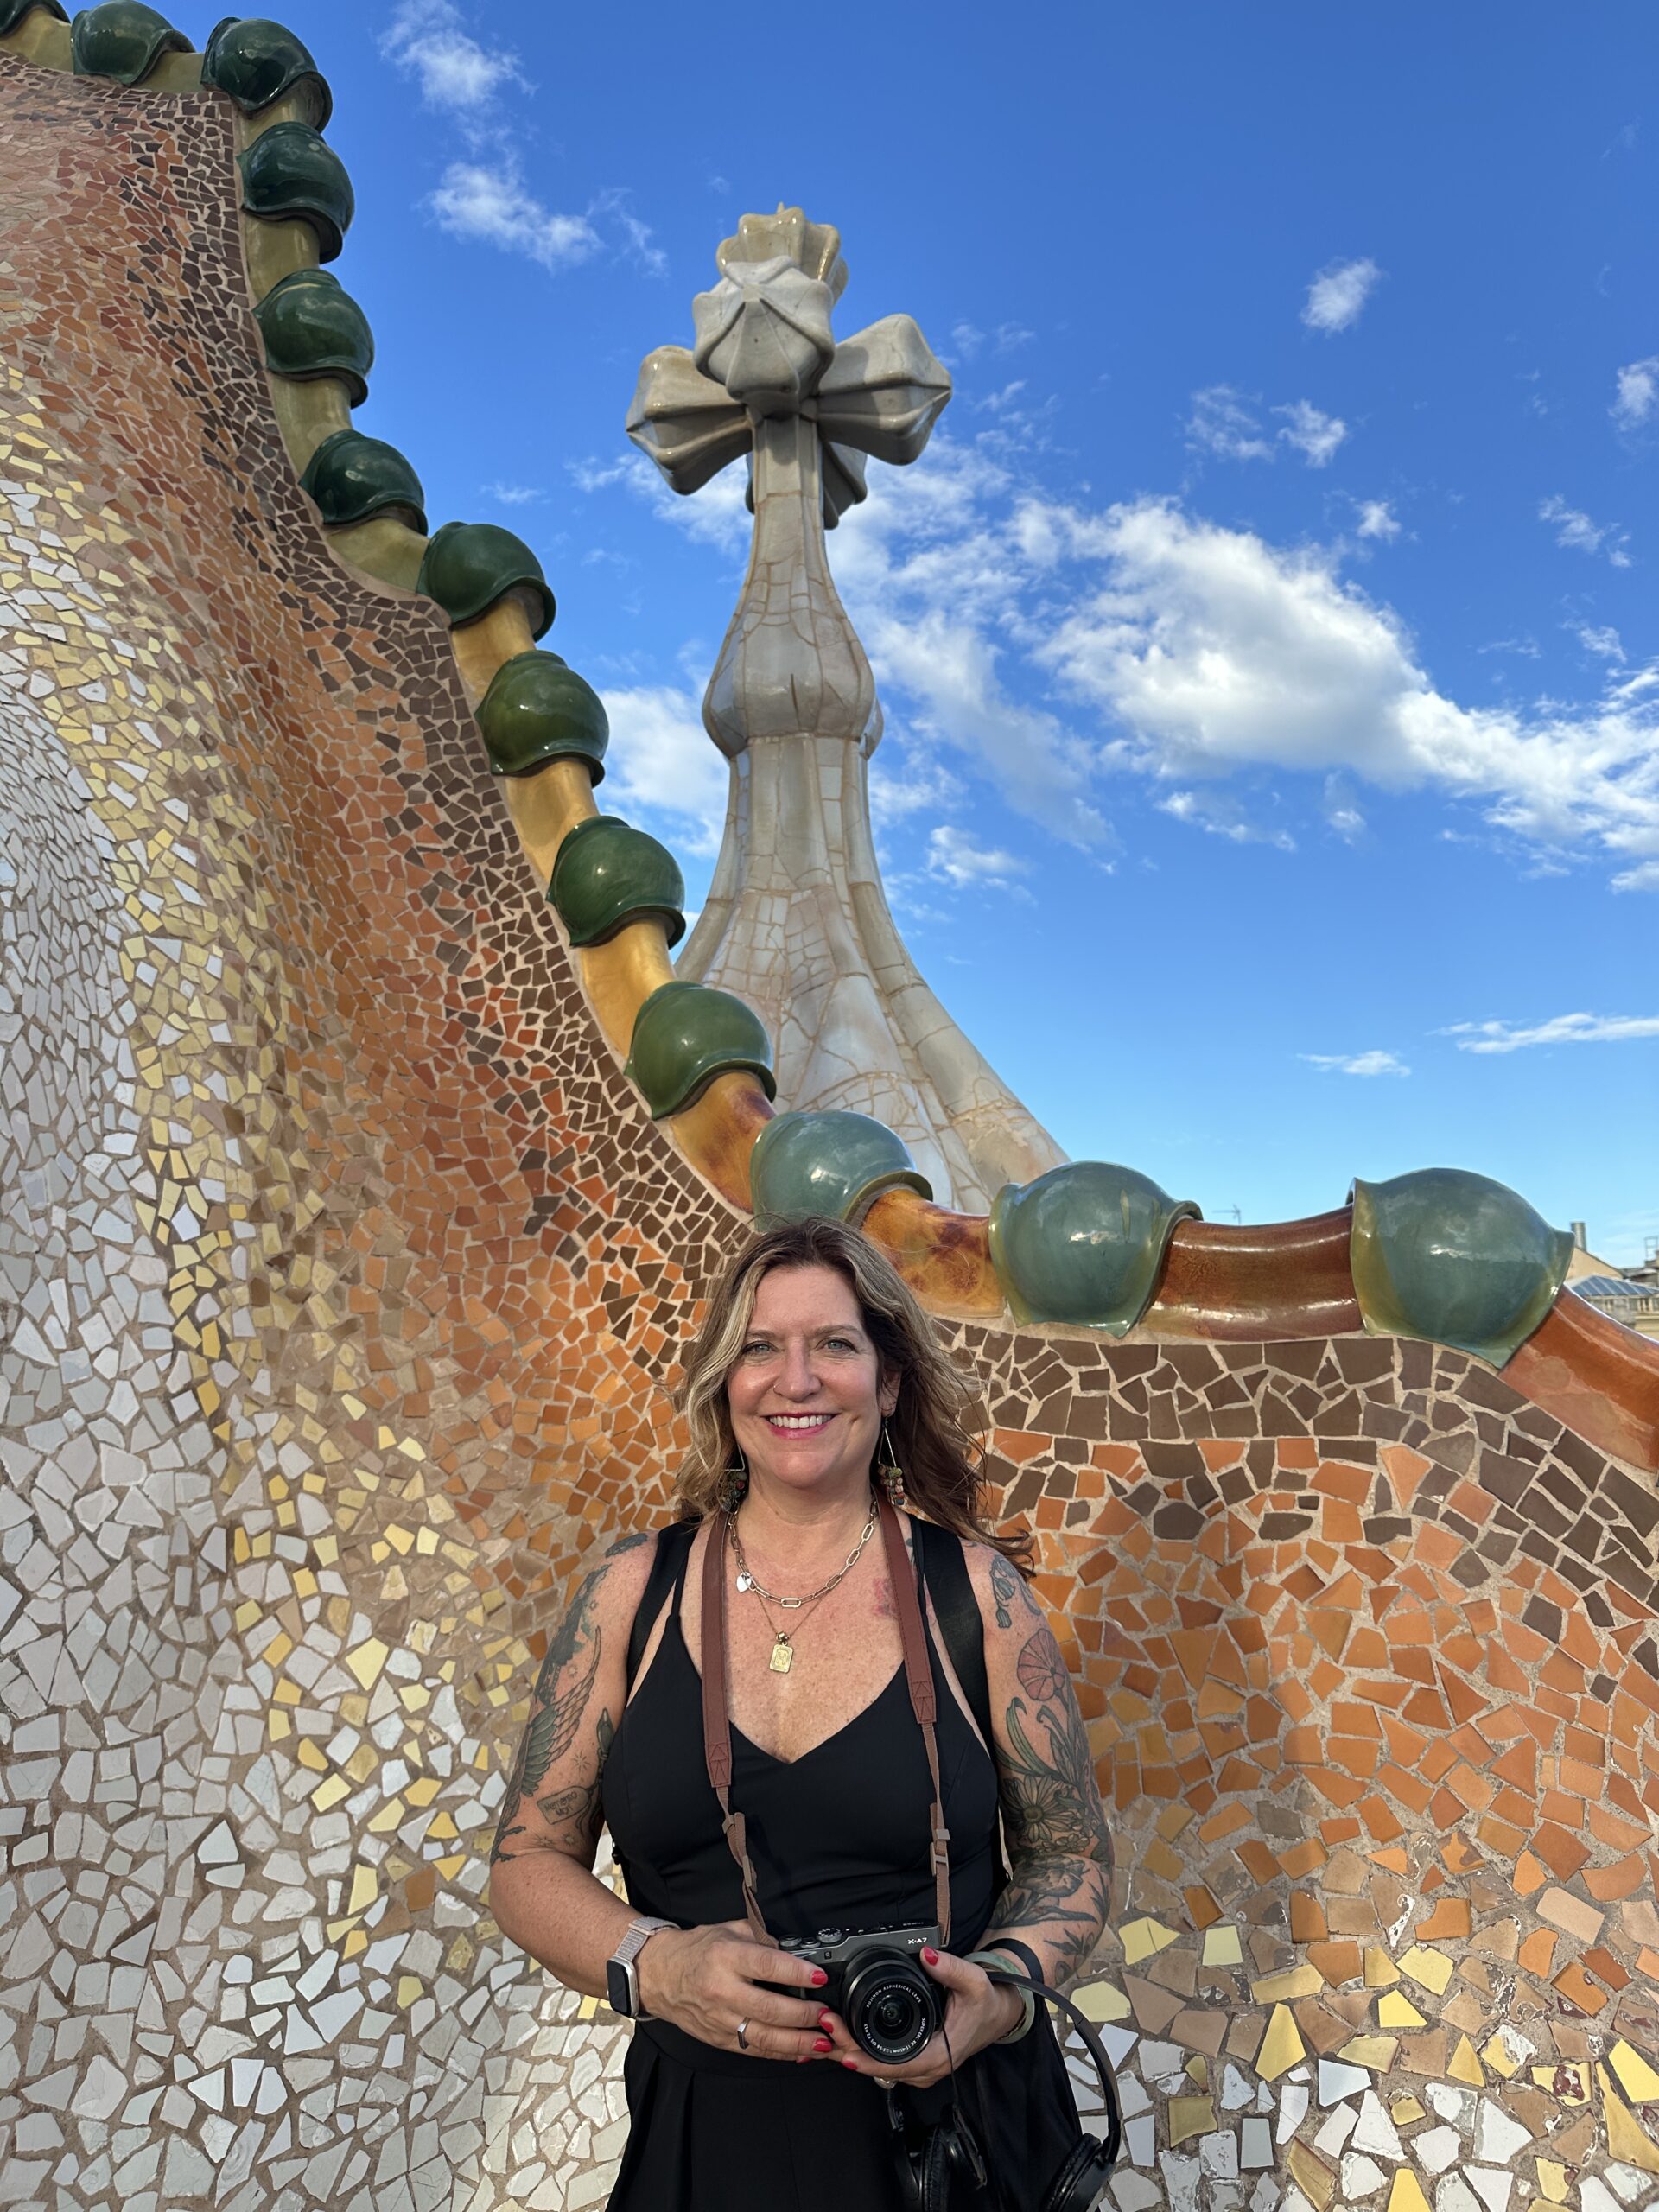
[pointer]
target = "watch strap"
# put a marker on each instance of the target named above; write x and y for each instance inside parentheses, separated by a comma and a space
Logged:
(620, 1966)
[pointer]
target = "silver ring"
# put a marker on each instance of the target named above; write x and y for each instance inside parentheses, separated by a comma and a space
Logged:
(743, 2035)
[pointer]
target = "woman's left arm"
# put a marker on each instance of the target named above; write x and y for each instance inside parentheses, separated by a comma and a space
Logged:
(1059, 1847)
(1052, 1819)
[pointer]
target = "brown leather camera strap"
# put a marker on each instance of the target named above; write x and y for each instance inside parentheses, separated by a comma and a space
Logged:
(716, 1708)
(716, 1714)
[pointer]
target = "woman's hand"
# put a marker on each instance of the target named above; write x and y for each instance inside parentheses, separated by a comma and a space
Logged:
(978, 2011)
(709, 1981)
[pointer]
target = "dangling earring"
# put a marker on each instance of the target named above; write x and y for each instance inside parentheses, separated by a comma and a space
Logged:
(891, 1474)
(734, 1485)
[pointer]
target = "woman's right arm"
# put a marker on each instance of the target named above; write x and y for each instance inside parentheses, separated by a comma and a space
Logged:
(543, 1893)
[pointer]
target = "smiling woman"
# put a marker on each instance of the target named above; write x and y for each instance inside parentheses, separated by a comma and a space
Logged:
(813, 1751)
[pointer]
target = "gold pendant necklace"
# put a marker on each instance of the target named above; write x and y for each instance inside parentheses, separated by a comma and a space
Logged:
(782, 1656)
(783, 1649)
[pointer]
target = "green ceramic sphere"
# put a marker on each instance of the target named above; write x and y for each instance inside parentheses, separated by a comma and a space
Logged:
(832, 1163)
(537, 710)
(607, 874)
(313, 327)
(470, 566)
(290, 171)
(13, 11)
(1456, 1258)
(123, 39)
(352, 477)
(256, 61)
(1082, 1244)
(684, 1035)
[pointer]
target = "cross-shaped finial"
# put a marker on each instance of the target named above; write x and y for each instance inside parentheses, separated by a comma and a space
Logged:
(767, 375)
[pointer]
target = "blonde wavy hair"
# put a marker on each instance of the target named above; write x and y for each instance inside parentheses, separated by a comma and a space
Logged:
(939, 1457)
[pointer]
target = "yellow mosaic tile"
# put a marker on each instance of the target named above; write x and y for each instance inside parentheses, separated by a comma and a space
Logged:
(1378, 2052)
(1190, 2116)
(1627, 2139)
(1100, 2000)
(1144, 1939)
(1222, 1947)
(1282, 2047)
(1636, 2078)
(1304, 1980)
(1407, 2193)
(1431, 1967)
(1464, 2065)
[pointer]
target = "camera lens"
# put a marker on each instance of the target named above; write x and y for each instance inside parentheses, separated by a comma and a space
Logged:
(891, 2008)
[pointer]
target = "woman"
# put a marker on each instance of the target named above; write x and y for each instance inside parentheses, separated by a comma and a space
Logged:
(816, 1377)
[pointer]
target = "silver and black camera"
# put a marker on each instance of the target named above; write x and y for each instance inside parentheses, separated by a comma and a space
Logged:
(892, 2006)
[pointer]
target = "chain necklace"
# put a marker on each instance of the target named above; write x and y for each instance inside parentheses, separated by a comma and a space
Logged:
(783, 1651)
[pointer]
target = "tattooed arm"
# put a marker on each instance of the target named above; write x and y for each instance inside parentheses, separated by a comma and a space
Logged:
(1054, 1823)
(543, 1891)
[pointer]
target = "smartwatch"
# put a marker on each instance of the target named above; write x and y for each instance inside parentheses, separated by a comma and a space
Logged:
(622, 1976)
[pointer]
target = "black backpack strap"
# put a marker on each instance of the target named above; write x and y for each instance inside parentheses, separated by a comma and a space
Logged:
(667, 1565)
(956, 1610)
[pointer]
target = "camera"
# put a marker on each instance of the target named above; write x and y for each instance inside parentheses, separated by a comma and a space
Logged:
(891, 2007)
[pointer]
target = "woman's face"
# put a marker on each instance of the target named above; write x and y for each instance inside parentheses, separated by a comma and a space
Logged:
(806, 1395)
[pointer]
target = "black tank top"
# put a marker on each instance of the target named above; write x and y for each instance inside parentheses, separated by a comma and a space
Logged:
(838, 1837)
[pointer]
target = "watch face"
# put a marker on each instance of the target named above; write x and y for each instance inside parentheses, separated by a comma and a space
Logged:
(619, 1988)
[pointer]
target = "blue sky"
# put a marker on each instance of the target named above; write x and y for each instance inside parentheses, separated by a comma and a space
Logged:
(1269, 636)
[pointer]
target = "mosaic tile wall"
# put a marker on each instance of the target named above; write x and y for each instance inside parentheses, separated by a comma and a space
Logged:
(340, 1281)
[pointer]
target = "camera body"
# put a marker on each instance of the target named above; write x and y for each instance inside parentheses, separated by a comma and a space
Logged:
(891, 2006)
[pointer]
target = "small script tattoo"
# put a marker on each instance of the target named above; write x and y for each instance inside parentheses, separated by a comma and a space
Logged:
(558, 1706)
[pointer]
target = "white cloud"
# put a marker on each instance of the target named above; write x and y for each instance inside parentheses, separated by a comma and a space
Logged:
(998, 402)
(514, 495)
(1225, 423)
(484, 199)
(1006, 338)
(954, 858)
(1574, 528)
(1561, 1029)
(948, 669)
(1374, 1063)
(717, 515)
(1637, 395)
(1058, 652)
(1604, 641)
(1221, 423)
(1338, 293)
(1342, 809)
(1377, 520)
(637, 235)
(489, 203)
(1222, 816)
(1315, 435)
(905, 778)
(1211, 652)
(661, 760)
(426, 38)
